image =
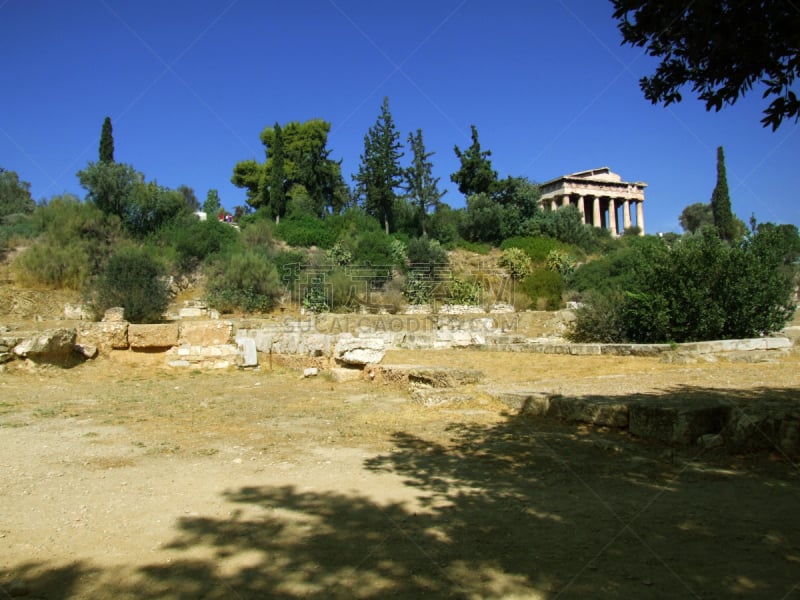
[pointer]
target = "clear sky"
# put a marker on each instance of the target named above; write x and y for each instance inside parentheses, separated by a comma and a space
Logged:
(190, 84)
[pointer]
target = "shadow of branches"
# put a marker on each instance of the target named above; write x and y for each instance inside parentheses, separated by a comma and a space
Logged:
(522, 509)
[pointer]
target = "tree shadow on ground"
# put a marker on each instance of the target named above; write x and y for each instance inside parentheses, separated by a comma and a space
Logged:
(521, 509)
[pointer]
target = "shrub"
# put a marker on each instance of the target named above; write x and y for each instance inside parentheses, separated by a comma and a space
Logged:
(302, 229)
(536, 247)
(516, 262)
(244, 281)
(195, 240)
(53, 266)
(544, 288)
(418, 289)
(598, 320)
(701, 289)
(133, 280)
(464, 292)
(426, 256)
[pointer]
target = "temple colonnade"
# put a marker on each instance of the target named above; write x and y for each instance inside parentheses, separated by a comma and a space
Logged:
(602, 198)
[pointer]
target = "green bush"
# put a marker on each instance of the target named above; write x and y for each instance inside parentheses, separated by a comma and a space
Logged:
(75, 244)
(460, 291)
(244, 281)
(598, 320)
(418, 289)
(302, 229)
(537, 247)
(545, 289)
(516, 262)
(196, 241)
(425, 256)
(701, 289)
(135, 281)
(53, 265)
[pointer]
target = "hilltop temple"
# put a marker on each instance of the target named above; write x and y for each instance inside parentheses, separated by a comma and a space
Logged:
(599, 194)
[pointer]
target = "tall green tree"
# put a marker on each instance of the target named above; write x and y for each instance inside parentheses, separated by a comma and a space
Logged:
(109, 185)
(306, 163)
(475, 176)
(15, 195)
(421, 185)
(212, 205)
(380, 173)
(724, 219)
(107, 142)
(720, 49)
(189, 197)
(277, 176)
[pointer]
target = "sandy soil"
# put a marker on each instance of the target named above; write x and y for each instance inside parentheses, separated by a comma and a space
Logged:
(121, 479)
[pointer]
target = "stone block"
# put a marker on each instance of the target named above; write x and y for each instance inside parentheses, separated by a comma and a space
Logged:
(191, 312)
(342, 375)
(678, 423)
(152, 336)
(76, 312)
(105, 335)
(248, 355)
(205, 333)
(52, 346)
(524, 402)
(593, 410)
(114, 315)
(775, 343)
(443, 377)
(358, 351)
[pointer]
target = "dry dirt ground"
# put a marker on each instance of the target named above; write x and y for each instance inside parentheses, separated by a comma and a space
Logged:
(122, 479)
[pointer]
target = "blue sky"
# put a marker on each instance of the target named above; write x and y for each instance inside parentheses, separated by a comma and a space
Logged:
(189, 85)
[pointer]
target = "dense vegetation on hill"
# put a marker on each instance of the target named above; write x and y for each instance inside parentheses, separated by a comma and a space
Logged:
(306, 239)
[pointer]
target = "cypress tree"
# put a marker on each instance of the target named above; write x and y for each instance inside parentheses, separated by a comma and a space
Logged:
(721, 202)
(277, 176)
(107, 142)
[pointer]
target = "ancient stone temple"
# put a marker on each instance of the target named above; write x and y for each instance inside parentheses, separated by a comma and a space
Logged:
(602, 197)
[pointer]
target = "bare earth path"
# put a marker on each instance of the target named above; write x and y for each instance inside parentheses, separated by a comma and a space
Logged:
(120, 479)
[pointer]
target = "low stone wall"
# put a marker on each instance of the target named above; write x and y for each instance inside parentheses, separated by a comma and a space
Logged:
(346, 340)
(735, 424)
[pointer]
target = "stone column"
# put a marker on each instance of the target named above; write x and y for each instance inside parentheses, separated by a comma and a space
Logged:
(626, 214)
(553, 204)
(640, 216)
(612, 216)
(596, 212)
(565, 200)
(582, 208)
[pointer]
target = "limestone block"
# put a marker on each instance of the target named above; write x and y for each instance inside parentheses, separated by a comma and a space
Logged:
(205, 333)
(76, 312)
(52, 345)
(248, 355)
(351, 350)
(317, 344)
(114, 315)
(342, 375)
(443, 377)
(462, 339)
(593, 410)
(191, 312)
(680, 423)
(525, 402)
(585, 349)
(310, 372)
(152, 336)
(774, 343)
(106, 335)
